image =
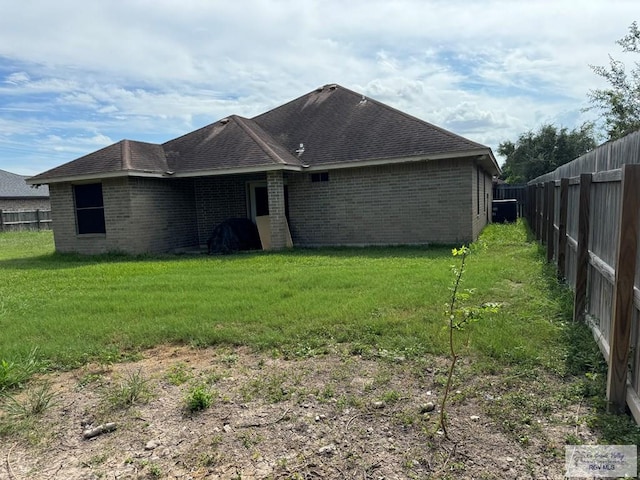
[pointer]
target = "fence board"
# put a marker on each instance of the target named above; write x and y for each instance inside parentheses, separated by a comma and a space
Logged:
(550, 215)
(582, 260)
(562, 227)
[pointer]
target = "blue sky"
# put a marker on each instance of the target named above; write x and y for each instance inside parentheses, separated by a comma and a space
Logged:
(76, 76)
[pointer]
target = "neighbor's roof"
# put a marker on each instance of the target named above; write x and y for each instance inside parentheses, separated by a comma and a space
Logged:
(15, 187)
(330, 127)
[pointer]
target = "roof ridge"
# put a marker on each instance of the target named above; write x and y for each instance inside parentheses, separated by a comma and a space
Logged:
(208, 126)
(316, 90)
(256, 138)
(125, 151)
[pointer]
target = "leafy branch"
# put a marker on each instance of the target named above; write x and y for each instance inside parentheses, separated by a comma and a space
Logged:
(458, 318)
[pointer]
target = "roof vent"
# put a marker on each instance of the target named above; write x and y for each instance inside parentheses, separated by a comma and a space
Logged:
(363, 100)
(300, 150)
(224, 121)
(332, 86)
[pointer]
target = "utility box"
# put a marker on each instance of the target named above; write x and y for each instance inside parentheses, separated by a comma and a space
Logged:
(504, 211)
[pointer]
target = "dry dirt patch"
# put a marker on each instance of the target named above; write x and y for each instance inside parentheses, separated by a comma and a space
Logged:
(330, 416)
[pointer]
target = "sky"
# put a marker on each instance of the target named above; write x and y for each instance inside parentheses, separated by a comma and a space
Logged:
(78, 75)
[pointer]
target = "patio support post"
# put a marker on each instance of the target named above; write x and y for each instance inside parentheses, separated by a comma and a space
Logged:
(277, 219)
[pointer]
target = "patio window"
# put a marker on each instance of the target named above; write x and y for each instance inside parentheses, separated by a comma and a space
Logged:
(89, 208)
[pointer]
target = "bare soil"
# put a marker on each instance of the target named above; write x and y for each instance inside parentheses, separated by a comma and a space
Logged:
(328, 416)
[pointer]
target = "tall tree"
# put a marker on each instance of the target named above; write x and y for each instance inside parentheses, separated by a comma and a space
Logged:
(536, 153)
(620, 103)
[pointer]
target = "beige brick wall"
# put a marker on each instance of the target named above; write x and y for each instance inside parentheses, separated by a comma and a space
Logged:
(221, 198)
(141, 215)
(482, 215)
(64, 223)
(163, 215)
(412, 203)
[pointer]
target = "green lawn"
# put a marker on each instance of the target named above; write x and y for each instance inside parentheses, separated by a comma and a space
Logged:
(61, 311)
(75, 308)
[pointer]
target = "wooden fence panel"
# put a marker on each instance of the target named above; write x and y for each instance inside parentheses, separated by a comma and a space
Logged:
(550, 216)
(540, 210)
(605, 228)
(600, 295)
(25, 220)
(582, 257)
(572, 232)
(605, 213)
(563, 199)
(516, 192)
(620, 335)
(601, 262)
(635, 359)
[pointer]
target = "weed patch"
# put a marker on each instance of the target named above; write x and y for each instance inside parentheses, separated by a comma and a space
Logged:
(135, 388)
(199, 398)
(15, 374)
(31, 403)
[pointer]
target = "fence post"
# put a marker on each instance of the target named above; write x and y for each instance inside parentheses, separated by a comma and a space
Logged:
(545, 213)
(38, 218)
(534, 209)
(538, 213)
(530, 198)
(551, 212)
(582, 261)
(1, 220)
(562, 228)
(622, 313)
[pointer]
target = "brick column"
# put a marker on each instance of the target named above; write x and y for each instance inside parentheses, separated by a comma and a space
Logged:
(275, 188)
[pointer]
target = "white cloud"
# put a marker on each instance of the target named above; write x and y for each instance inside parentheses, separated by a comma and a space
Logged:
(77, 145)
(17, 78)
(152, 70)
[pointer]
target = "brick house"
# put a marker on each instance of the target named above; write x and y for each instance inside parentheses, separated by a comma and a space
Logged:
(17, 196)
(332, 167)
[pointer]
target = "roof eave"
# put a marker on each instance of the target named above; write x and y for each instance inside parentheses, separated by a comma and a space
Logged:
(95, 176)
(237, 170)
(491, 162)
(484, 155)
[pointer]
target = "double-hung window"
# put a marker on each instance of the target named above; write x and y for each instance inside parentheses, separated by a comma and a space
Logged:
(89, 208)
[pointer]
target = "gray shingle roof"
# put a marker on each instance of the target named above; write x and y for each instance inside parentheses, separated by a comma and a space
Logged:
(338, 125)
(335, 125)
(233, 142)
(124, 156)
(15, 186)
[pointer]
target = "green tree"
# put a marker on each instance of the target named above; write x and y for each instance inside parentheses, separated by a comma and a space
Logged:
(536, 153)
(620, 103)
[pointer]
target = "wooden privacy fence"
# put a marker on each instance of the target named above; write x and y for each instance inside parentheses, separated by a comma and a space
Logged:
(25, 220)
(517, 192)
(590, 224)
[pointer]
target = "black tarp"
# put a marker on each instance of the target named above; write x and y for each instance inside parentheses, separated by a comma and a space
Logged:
(233, 235)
